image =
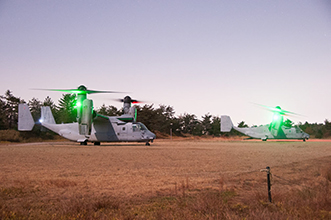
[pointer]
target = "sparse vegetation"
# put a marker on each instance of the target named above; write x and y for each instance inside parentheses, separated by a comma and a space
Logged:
(309, 202)
(57, 181)
(10, 135)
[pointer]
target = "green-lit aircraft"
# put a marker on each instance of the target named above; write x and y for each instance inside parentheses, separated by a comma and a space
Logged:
(275, 130)
(90, 126)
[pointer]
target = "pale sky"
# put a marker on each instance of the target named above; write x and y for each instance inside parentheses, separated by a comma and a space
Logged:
(200, 57)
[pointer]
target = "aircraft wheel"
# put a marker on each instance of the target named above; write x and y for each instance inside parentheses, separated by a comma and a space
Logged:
(83, 143)
(96, 143)
(304, 140)
(148, 144)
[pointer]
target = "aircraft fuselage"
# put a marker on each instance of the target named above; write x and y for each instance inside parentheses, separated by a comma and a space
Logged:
(104, 132)
(266, 132)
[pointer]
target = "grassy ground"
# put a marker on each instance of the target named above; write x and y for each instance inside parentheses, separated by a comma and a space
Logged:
(179, 179)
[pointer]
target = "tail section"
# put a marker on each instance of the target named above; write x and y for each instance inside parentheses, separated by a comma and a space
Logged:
(226, 123)
(46, 115)
(25, 120)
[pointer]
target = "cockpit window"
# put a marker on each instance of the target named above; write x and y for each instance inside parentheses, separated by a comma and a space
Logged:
(135, 127)
(298, 129)
(138, 127)
(142, 126)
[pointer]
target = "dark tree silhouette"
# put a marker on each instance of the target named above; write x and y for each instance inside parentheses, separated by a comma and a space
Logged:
(10, 108)
(67, 111)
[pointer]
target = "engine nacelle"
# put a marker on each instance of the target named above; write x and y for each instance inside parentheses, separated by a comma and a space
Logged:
(85, 124)
(133, 112)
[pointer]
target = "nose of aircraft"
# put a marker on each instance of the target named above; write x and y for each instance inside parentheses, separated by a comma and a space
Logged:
(153, 136)
(150, 135)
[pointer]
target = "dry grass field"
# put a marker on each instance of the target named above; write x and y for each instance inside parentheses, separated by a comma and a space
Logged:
(171, 179)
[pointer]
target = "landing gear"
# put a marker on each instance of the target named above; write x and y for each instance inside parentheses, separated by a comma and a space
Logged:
(148, 144)
(97, 143)
(83, 143)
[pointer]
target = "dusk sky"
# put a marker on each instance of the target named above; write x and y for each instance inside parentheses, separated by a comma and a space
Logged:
(216, 57)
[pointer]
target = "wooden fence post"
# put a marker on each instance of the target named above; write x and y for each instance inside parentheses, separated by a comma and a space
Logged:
(267, 169)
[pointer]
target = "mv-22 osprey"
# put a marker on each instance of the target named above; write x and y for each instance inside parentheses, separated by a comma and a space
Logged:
(275, 130)
(90, 126)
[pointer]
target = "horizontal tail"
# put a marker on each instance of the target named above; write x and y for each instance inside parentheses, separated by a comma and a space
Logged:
(226, 123)
(25, 120)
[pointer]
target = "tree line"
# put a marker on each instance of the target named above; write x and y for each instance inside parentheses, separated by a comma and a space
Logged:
(159, 119)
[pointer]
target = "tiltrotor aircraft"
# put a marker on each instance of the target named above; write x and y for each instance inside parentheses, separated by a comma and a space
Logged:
(275, 130)
(90, 126)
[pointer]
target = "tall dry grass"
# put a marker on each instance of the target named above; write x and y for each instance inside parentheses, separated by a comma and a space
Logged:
(56, 181)
(10, 135)
(22, 200)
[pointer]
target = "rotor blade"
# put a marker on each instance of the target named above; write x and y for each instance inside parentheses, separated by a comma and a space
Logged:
(277, 109)
(129, 100)
(78, 91)
(75, 91)
(96, 91)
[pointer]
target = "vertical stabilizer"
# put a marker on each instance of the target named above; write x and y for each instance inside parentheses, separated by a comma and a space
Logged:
(226, 123)
(46, 115)
(25, 120)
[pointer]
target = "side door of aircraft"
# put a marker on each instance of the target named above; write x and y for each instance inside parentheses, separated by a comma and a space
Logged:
(123, 132)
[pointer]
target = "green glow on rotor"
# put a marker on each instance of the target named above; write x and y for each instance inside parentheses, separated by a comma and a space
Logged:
(74, 91)
(277, 118)
(78, 104)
